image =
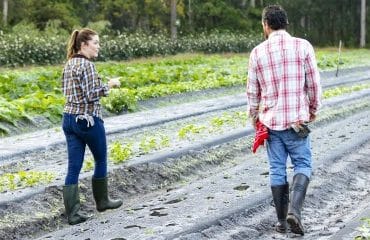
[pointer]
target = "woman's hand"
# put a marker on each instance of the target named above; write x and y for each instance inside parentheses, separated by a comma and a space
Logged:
(114, 82)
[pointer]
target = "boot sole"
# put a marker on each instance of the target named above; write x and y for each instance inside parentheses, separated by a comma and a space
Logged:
(295, 225)
(80, 220)
(109, 208)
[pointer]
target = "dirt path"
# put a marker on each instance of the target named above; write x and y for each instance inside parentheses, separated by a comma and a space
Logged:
(207, 185)
(232, 201)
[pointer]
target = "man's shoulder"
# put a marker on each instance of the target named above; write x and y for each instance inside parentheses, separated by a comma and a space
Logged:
(259, 47)
(302, 41)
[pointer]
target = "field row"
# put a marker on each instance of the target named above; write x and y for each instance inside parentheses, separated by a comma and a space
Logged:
(29, 94)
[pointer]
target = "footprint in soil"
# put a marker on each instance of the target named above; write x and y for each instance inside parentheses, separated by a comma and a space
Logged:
(175, 200)
(133, 226)
(158, 214)
(241, 187)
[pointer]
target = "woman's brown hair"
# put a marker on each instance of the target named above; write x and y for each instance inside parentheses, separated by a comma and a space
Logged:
(76, 39)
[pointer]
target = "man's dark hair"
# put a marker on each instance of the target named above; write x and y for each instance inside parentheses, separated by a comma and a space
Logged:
(275, 17)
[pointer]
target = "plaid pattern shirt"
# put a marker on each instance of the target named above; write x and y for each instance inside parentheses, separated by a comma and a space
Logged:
(283, 81)
(82, 87)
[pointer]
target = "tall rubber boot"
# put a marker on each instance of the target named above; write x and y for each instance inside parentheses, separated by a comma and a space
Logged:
(280, 195)
(100, 192)
(72, 205)
(297, 196)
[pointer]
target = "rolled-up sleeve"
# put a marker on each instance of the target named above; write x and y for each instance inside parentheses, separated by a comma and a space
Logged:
(253, 87)
(312, 84)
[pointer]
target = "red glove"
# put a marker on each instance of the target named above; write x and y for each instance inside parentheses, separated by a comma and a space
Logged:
(260, 137)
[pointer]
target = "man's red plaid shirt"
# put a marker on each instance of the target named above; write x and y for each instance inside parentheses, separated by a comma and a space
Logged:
(283, 81)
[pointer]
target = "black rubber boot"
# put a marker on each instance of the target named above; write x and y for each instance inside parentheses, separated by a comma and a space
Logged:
(297, 196)
(72, 205)
(280, 195)
(100, 192)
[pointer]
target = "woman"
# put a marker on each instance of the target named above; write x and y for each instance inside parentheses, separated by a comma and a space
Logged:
(83, 124)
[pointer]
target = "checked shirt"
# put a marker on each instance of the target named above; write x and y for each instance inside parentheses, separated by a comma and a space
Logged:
(283, 81)
(82, 87)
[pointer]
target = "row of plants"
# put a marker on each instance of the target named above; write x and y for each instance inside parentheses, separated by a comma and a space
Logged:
(25, 49)
(23, 179)
(337, 91)
(144, 143)
(36, 91)
(122, 150)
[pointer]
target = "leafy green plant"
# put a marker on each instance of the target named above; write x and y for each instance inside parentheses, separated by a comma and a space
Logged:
(337, 91)
(120, 153)
(164, 141)
(88, 164)
(155, 142)
(185, 131)
(364, 229)
(119, 100)
(218, 122)
(148, 144)
(22, 179)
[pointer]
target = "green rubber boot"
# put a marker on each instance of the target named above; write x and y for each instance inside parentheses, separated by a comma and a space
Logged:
(100, 192)
(72, 205)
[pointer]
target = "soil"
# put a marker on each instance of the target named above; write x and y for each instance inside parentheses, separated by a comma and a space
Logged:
(207, 186)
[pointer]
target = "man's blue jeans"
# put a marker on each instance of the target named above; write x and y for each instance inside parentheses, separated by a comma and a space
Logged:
(78, 135)
(282, 144)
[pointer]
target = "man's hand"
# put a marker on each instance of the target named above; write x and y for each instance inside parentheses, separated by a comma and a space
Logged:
(312, 117)
(254, 122)
(114, 82)
(260, 137)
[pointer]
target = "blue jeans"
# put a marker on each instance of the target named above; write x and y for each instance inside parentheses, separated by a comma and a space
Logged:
(282, 144)
(78, 135)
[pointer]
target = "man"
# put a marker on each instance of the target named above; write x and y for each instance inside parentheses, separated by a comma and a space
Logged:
(283, 93)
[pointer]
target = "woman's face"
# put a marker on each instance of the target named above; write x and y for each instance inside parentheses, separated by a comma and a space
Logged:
(91, 48)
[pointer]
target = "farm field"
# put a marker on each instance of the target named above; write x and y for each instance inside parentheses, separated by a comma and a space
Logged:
(179, 140)
(31, 97)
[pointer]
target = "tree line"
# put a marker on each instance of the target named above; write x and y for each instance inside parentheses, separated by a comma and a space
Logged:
(322, 22)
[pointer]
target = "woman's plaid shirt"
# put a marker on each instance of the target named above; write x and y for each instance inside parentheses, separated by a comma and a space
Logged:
(82, 87)
(283, 81)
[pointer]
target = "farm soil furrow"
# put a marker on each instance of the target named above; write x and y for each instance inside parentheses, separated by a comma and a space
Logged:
(232, 200)
(30, 212)
(43, 211)
(53, 160)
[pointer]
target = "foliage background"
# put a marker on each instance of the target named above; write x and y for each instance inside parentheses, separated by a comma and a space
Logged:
(322, 22)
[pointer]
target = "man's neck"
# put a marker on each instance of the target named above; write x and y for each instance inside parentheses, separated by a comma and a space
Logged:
(274, 31)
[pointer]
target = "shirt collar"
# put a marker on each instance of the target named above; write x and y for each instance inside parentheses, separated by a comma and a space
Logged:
(279, 33)
(77, 55)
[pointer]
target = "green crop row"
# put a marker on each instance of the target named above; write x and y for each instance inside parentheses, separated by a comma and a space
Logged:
(23, 179)
(37, 92)
(121, 152)
(337, 91)
(27, 93)
(25, 49)
(145, 143)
